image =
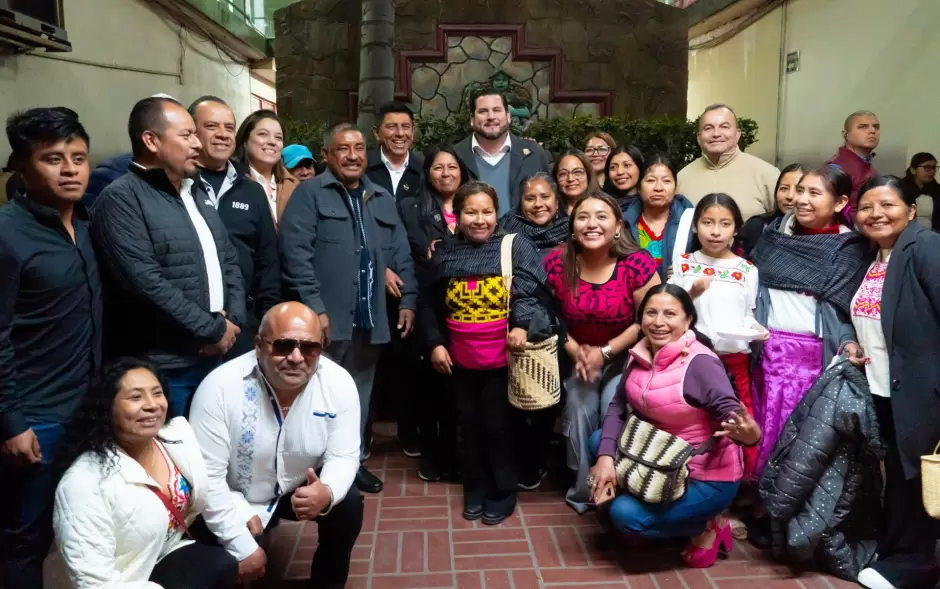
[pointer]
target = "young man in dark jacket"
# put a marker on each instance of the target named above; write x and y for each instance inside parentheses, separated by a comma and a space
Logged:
(394, 166)
(339, 233)
(243, 207)
(176, 291)
(50, 328)
(492, 155)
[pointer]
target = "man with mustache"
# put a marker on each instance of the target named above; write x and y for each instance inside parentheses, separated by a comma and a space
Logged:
(338, 235)
(484, 152)
(243, 207)
(50, 327)
(723, 167)
(279, 431)
(861, 134)
(174, 289)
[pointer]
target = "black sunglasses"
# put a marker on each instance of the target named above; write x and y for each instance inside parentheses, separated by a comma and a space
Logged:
(286, 347)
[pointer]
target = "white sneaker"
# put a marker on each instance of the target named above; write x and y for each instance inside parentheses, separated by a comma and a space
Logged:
(872, 579)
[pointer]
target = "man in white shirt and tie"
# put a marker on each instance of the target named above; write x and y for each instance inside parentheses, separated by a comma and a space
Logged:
(279, 431)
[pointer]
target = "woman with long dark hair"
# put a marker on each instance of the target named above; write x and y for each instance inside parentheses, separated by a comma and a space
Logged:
(539, 217)
(135, 481)
(785, 196)
(675, 381)
(429, 219)
(595, 281)
(466, 312)
(622, 174)
(656, 218)
(259, 143)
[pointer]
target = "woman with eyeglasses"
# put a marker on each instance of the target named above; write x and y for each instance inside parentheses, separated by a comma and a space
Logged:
(921, 183)
(575, 177)
(597, 147)
(136, 481)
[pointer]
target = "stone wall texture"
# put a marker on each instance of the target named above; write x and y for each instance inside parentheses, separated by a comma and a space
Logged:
(634, 50)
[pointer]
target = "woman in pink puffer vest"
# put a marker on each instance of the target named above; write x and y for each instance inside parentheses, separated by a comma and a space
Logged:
(675, 381)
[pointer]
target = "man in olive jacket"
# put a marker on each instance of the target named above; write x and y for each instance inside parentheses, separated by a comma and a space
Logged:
(338, 234)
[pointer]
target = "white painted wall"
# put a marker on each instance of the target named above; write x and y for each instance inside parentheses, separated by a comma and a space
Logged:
(742, 72)
(855, 54)
(121, 33)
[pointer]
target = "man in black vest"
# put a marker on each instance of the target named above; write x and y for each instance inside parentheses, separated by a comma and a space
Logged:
(396, 168)
(484, 152)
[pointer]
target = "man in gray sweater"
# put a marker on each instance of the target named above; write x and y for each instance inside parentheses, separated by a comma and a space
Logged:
(484, 151)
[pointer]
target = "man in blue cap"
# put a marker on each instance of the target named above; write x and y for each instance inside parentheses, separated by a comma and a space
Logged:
(299, 161)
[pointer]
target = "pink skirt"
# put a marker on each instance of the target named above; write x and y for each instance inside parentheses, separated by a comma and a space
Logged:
(478, 346)
(791, 364)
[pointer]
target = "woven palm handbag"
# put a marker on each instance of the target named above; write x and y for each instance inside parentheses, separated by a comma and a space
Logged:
(653, 465)
(534, 380)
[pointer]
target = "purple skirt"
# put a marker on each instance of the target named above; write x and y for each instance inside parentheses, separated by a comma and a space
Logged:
(791, 364)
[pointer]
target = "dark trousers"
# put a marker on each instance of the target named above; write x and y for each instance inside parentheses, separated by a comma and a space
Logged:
(908, 534)
(217, 569)
(534, 431)
(396, 381)
(27, 493)
(486, 436)
(437, 418)
(337, 532)
(184, 382)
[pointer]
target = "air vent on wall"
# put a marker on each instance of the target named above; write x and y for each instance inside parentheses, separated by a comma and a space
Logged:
(21, 32)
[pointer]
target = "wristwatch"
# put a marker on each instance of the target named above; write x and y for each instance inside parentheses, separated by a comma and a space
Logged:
(608, 353)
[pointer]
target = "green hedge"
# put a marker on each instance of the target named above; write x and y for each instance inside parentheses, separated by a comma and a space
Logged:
(670, 135)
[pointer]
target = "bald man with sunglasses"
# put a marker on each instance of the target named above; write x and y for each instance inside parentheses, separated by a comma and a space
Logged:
(279, 432)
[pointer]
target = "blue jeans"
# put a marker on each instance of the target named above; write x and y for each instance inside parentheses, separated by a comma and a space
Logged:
(26, 499)
(683, 518)
(184, 382)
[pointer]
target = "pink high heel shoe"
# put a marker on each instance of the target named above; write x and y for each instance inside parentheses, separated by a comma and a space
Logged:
(696, 557)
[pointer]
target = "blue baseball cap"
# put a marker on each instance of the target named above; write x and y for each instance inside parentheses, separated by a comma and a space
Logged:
(294, 154)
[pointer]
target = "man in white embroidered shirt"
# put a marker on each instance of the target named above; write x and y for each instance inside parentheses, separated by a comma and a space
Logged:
(279, 431)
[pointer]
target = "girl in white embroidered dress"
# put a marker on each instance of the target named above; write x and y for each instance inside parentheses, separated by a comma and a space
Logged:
(724, 288)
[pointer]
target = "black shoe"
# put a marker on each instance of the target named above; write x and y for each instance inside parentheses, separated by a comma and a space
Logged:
(368, 482)
(411, 450)
(472, 505)
(758, 532)
(533, 481)
(429, 471)
(498, 510)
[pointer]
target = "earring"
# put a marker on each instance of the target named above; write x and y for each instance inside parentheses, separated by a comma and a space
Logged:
(617, 235)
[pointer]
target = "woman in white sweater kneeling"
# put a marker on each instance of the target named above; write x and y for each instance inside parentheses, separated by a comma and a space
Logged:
(136, 481)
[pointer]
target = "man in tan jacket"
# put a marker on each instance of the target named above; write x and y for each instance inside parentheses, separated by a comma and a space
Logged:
(723, 167)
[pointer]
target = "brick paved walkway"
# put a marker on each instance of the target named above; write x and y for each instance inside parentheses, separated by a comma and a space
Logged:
(414, 537)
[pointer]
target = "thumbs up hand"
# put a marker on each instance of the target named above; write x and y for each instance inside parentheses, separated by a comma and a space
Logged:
(310, 500)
